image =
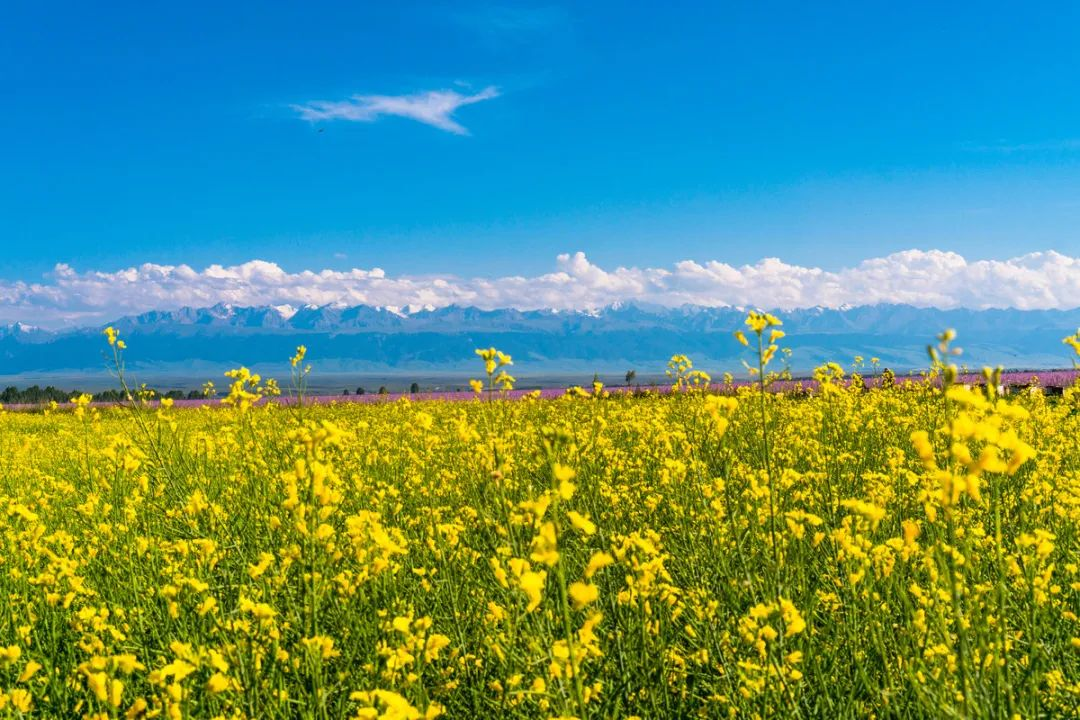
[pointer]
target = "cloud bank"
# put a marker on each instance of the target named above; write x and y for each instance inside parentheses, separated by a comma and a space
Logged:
(1043, 280)
(434, 107)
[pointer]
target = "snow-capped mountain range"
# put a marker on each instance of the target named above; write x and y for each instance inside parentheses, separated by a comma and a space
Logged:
(627, 335)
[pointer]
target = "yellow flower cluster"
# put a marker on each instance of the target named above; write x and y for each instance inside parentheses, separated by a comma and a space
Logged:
(903, 549)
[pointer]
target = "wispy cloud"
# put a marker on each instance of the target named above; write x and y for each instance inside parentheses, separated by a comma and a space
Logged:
(513, 20)
(434, 107)
(1007, 148)
(925, 278)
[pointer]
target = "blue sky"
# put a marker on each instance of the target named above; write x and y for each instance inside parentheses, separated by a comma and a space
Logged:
(823, 134)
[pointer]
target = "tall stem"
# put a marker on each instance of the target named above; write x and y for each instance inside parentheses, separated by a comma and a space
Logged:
(768, 463)
(1002, 609)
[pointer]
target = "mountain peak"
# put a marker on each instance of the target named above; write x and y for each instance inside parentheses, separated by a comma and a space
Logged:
(620, 334)
(285, 311)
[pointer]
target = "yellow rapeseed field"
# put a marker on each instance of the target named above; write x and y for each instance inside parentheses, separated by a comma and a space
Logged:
(908, 551)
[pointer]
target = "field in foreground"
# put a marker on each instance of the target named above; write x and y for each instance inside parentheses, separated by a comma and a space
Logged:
(898, 552)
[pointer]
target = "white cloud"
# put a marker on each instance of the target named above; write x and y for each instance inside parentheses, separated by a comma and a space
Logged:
(434, 107)
(924, 278)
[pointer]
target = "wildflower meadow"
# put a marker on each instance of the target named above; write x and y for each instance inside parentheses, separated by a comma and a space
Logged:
(886, 550)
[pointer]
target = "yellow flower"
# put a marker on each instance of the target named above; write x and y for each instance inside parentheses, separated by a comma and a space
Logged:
(580, 522)
(793, 620)
(9, 655)
(563, 473)
(434, 645)
(582, 594)
(387, 705)
(921, 440)
(98, 683)
(21, 700)
(868, 510)
(597, 562)
(321, 646)
(298, 358)
(544, 545)
(28, 671)
(217, 683)
(532, 584)
(127, 663)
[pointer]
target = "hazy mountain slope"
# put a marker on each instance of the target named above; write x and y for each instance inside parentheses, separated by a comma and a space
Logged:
(608, 339)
